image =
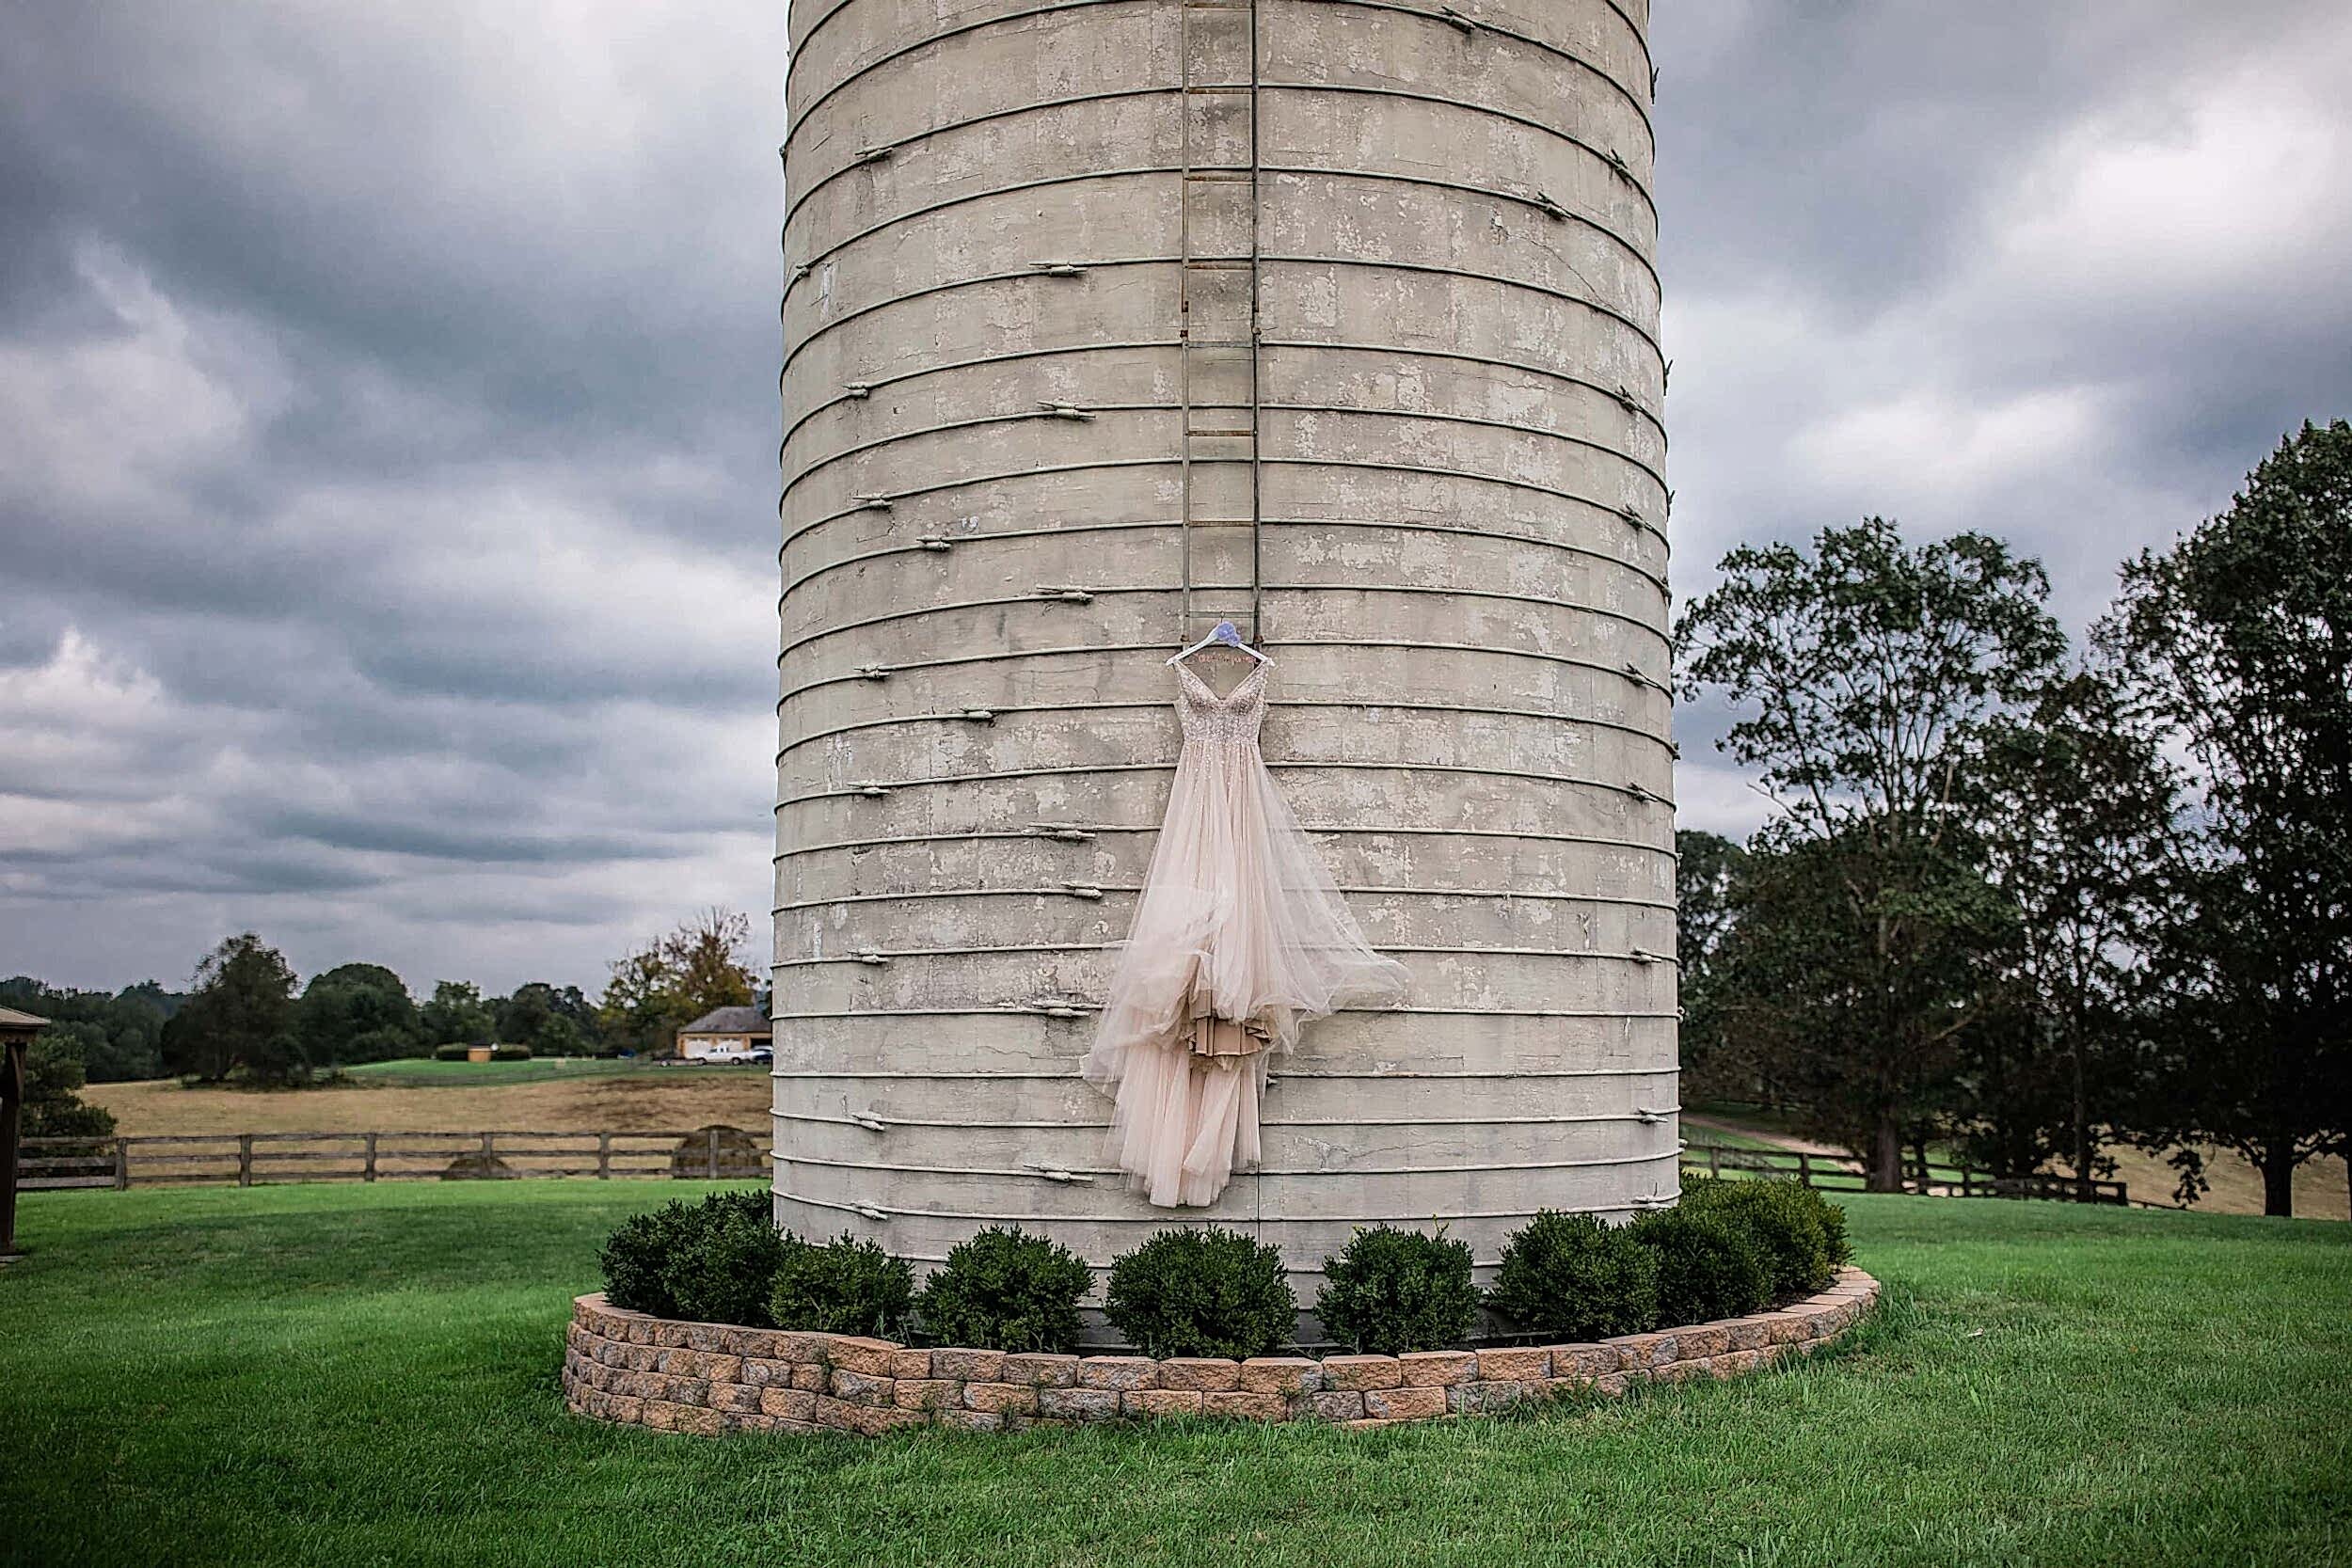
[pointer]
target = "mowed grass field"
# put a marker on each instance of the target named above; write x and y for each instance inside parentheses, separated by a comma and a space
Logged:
(458, 1097)
(368, 1376)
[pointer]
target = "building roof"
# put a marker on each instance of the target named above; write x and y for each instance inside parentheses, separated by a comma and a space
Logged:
(12, 1019)
(729, 1021)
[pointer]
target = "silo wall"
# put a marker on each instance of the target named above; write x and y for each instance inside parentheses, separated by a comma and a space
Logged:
(1006, 221)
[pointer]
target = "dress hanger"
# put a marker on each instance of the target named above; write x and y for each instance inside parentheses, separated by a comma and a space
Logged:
(1228, 636)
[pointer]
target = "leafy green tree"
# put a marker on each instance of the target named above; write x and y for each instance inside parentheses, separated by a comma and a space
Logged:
(2078, 820)
(1863, 676)
(2239, 638)
(1707, 873)
(115, 1037)
(456, 1014)
(672, 980)
(239, 1018)
(554, 1020)
(53, 1107)
(357, 1013)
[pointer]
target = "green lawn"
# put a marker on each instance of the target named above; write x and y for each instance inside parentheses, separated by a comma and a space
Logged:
(365, 1376)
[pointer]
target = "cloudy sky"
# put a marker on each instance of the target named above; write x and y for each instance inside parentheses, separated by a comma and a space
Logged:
(388, 421)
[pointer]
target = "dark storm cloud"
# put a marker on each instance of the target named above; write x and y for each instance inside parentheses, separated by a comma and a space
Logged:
(388, 422)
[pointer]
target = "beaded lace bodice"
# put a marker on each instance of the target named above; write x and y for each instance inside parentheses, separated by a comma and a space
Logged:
(1232, 718)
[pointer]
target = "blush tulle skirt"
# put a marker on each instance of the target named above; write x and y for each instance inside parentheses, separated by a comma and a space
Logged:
(1240, 937)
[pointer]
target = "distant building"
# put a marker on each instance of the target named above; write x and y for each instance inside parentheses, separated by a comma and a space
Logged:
(725, 1032)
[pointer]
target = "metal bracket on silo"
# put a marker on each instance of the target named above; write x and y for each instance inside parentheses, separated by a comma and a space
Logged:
(868, 956)
(1057, 593)
(1082, 890)
(871, 502)
(1059, 269)
(872, 672)
(933, 542)
(872, 154)
(871, 791)
(978, 715)
(1648, 1116)
(871, 1122)
(1055, 1173)
(1063, 409)
(1062, 831)
(857, 389)
(1543, 199)
(1466, 25)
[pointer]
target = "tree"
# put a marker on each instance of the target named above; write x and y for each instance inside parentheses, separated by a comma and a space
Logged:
(554, 1020)
(357, 1013)
(239, 1018)
(2240, 639)
(2077, 821)
(658, 988)
(1864, 677)
(1707, 872)
(53, 1107)
(457, 1015)
(114, 1037)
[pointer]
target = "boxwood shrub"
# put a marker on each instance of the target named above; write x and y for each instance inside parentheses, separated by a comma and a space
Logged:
(1570, 1277)
(1793, 1224)
(673, 1261)
(1390, 1290)
(843, 1286)
(1201, 1291)
(1710, 1265)
(1005, 1290)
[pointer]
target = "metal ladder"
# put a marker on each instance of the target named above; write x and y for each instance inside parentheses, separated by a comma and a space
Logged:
(1217, 316)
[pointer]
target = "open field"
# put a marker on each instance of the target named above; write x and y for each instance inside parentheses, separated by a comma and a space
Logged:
(349, 1374)
(600, 1096)
(2320, 1190)
(411, 1073)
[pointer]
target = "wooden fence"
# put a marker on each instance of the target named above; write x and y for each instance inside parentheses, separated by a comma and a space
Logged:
(1843, 1173)
(256, 1159)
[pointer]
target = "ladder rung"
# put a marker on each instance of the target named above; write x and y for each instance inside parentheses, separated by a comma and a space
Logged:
(1222, 177)
(1220, 87)
(1219, 343)
(1223, 435)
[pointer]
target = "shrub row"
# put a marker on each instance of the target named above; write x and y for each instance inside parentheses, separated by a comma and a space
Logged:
(1728, 1249)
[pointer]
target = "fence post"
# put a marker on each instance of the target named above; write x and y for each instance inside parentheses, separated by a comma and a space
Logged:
(245, 1159)
(1804, 1168)
(122, 1163)
(369, 1174)
(604, 1156)
(712, 1140)
(1714, 1160)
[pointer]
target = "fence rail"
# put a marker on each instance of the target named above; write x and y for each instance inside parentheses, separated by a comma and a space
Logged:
(1843, 1173)
(258, 1159)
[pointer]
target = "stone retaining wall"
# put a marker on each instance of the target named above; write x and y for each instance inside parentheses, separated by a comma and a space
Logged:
(707, 1378)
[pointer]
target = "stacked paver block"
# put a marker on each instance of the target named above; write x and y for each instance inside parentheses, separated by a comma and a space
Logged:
(707, 1378)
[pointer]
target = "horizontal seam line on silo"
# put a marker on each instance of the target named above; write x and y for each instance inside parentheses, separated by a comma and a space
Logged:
(917, 548)
(965, 481)
(927, 133)
(1538, 202)
(1168, 766)
(1162, 1218)
(1612, 899)
(1567, 659)
(1014, 1009)
(1044, 601)
(1648, 336)
(1021, 416)
(1089, 1172)
(893, 1075)
(881, 381)
(1157, 704)
(1641, 110)
(1489, 109)
(858, 957)
(1428, 353)
(1029, 271)
(1287, 1124)
(1665, 850)
(924, 42)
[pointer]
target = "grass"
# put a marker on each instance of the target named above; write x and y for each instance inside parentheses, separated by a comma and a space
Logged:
(368, 1376)
(429, 1075)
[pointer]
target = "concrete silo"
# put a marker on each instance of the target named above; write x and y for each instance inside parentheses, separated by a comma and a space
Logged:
(1104, 318)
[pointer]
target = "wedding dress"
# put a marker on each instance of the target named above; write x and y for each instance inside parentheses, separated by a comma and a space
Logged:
(1240, 937)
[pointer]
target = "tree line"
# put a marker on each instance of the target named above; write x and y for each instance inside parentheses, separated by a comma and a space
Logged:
(2025, 900)
(248, 1018)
